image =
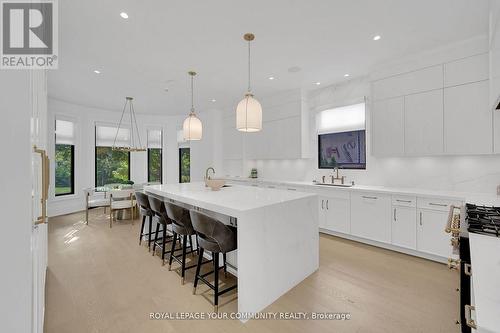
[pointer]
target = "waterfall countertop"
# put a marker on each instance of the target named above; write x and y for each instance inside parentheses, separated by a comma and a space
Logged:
(231, 200)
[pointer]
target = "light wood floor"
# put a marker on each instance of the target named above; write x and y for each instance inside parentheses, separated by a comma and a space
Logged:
(100, 280)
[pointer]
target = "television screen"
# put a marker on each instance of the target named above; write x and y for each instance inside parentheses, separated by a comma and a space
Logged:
(345, 150)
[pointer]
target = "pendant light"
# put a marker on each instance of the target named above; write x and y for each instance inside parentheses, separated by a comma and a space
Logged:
(192, 127)
(134, 143)
(249, 110)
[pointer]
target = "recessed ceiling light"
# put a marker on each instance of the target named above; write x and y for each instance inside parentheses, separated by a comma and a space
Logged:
(346, 75)
(97, 71)
(317, 83)
(124, 15)
(271, 78)
(213, 100)
(376, 37)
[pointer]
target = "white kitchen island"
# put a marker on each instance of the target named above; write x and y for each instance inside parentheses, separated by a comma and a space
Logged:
(278, 239)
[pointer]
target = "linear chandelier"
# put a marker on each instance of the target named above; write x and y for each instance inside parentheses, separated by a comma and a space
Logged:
(134, 143)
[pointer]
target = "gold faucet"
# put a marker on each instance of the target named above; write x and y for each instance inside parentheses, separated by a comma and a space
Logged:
(336, 177)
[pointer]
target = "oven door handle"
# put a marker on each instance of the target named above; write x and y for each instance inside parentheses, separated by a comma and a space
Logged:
(448, 228)
(468, 316)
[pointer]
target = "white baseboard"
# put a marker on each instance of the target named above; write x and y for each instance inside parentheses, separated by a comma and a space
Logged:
(386, 246)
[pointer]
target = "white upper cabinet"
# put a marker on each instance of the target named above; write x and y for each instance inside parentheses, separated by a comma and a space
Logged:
(467, 70)
(409, 83)
(424, 123)
(468, 119)
(285, 130)
(388, 127)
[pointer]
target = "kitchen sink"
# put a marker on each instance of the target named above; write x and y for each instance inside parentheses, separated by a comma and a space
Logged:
(337, 185)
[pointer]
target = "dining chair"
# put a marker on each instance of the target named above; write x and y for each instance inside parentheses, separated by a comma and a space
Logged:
(120, 200)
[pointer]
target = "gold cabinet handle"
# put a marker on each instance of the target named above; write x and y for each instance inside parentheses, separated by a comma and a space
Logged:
(468, 316)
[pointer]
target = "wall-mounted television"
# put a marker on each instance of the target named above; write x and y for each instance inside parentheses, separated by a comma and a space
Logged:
(344, 150)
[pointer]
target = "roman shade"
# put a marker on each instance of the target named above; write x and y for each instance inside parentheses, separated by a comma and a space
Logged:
(342, 119)
(105, 136)
(154, 138)
(65, 132)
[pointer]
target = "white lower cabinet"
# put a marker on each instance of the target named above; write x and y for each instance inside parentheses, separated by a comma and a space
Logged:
(334, 213)
(431, 237)
(371, 216)
(404, 230)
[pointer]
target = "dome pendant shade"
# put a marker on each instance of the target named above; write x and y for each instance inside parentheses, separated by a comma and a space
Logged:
(249, 115)
(192, 128)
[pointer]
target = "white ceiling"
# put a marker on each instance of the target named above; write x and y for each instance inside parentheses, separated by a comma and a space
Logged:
(163, 39)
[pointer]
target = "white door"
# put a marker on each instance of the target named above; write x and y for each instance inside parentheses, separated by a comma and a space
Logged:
(431, 237)
(338, 214)
(40, 179)
(371, 216)
(388, 127)
(404, 228)
(424, 123)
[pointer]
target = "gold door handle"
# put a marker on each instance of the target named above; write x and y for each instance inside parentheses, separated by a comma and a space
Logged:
(45, 184)
(468, 316)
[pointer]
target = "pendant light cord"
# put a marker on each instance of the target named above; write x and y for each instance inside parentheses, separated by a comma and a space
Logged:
(192, 93)
(249, 88)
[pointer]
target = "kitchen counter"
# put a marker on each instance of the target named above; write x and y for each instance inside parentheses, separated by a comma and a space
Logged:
(475, 198)
(278, 240)
(485, 263)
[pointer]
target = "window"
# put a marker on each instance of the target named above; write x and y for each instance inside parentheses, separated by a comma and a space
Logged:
(64, 158)
(155, 165)
(111, 166)
(184, 165)
(342, 138)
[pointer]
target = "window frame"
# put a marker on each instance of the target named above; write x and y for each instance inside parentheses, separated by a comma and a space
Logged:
(95, 158)
(72, 192)
(73, 157)
(149, 163)
(180, 164)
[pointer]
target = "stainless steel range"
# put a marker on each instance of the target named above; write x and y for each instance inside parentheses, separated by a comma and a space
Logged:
(462, 221)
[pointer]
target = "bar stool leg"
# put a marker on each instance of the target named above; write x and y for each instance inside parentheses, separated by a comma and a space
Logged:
(183, 265)
(150, 232)
(198, 268)
(156, 237)
(164, 242)
(142, 229)
(216, 281)
(172, 252)
(225, 266)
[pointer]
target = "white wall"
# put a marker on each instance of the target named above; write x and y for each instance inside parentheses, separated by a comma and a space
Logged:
(457, 173)
(85, 118)
(15, 198)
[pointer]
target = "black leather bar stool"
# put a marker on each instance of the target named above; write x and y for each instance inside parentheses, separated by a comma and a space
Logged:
(162, 220)
(145, 210)
(216, 237)
(181, 226)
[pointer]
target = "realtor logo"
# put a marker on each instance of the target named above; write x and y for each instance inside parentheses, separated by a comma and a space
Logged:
(29, 34)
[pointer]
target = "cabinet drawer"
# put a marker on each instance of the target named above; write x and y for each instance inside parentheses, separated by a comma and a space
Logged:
(436, 203)
(404, 201)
